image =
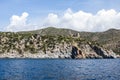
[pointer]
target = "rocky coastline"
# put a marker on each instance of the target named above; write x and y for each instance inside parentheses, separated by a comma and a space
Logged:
(72, 52)
(15, 45)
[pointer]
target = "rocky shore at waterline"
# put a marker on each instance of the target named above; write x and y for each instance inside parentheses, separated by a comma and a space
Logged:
(73, 52)
(19, 45)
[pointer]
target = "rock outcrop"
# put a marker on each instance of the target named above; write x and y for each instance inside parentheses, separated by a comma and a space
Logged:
(91, 51)
(84, 51)
(16, 45)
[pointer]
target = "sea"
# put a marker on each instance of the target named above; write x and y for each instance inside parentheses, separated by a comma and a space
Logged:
(59, 69)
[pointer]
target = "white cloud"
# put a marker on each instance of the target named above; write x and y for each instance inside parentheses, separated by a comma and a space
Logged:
(80, 21)
(52, 19)
(16, 20)
(83, 21)
(18, 23)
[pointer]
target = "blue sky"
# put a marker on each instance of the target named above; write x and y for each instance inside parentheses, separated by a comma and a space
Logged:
(39, 9)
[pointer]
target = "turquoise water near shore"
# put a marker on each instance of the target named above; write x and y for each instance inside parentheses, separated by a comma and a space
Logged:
(59, 69)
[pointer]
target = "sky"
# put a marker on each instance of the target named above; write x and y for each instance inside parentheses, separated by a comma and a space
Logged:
(80, 15)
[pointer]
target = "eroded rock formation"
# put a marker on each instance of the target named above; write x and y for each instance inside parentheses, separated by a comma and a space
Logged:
(15, 45)
(91, 51)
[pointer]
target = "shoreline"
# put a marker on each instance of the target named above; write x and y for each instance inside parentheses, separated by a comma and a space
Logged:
(16, 45)
(38, 56)
(59, 58)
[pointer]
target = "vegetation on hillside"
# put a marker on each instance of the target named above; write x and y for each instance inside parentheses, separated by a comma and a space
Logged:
(46, 39)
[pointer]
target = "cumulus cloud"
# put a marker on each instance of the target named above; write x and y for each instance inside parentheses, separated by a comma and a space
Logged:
(83, 21)
(80, 21)
(52, 19)
(19, 23)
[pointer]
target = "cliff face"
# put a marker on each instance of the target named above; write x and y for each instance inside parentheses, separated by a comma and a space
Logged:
(84, 51)
(91, 51)
(109, 39)
(16, 45)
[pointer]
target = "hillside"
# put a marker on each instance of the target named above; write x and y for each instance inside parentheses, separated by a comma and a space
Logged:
(109, 39)
(60, 43)
(52, 31)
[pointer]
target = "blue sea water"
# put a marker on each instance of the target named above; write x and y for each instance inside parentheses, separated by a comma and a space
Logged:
(57, 69)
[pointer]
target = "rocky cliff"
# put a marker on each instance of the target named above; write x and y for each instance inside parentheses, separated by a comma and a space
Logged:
(91, 51)
(109, 39)
(27, 45)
